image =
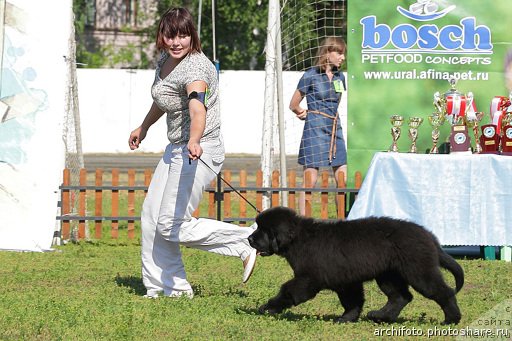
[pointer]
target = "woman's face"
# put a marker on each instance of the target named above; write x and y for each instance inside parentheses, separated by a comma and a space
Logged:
(179, 46)
(335, 58)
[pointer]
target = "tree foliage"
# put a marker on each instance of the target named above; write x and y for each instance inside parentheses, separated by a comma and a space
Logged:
(240, 33)
(240, 30)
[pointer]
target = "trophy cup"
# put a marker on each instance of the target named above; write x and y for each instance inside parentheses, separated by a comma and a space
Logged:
(506, 137)
(473, 122)
(396, 122)
(473, 118)
(436, 120)
(453, 105)
(414, 123)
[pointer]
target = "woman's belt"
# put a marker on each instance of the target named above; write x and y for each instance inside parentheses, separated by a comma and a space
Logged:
(332, 147)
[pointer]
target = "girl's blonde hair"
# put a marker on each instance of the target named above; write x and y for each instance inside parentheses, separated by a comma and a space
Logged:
(330, 44)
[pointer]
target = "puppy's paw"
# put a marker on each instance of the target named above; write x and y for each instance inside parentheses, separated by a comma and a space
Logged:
(267, 309)
(344, 319)
(380, 317)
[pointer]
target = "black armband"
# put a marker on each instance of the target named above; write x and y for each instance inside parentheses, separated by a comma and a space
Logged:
(200, 96)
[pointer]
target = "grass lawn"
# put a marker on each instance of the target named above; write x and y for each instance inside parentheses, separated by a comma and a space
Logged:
(93, 291)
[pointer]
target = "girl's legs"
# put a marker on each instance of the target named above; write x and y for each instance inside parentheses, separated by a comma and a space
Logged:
(337, 169)
(314, 176)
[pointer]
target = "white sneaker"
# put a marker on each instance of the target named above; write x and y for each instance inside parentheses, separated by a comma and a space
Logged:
(187, 293)
(249, 263)
(153, 296)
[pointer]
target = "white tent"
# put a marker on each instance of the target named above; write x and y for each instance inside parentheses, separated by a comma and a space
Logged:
(34, 39)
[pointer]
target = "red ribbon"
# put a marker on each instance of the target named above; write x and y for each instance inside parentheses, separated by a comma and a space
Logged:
(499, 106)
(455, 106)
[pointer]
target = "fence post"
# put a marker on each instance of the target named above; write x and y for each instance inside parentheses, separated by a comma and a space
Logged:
(66, 207)
(307, 194)
(115, 203)
(259, 194)
(275, 184)
(148, 173)
(292, 176)
(243, 205)
(131, 203)
(324, 196)
(227, 196)
(81, 204)
(359, 179)
(98, 203)
(211, 201)
(340, 197)
(218, 197)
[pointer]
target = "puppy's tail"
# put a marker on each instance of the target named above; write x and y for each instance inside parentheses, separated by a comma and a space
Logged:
(451, 265)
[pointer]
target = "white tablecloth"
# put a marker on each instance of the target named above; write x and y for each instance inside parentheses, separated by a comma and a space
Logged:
(463, 199)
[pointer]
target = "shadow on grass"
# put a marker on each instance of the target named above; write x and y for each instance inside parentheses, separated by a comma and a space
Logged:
(294, 317)
(134, 283)
(136, 286)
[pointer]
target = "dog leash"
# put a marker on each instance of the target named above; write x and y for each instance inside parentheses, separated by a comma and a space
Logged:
(229, 185)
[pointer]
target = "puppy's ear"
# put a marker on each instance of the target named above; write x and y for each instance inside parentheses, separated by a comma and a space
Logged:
(285, 233)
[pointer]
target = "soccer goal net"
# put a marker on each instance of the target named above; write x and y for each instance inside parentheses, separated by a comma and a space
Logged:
(305, 25)
(72, 137)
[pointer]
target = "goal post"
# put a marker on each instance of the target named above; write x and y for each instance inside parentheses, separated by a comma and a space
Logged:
(295, 31)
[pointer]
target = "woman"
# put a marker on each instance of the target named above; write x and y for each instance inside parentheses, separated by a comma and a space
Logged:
(186, 89)
(322, 143)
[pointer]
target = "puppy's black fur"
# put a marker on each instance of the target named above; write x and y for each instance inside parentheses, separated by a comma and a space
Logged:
(341, 255)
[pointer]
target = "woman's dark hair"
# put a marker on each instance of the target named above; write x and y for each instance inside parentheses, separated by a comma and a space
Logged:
(174, 22)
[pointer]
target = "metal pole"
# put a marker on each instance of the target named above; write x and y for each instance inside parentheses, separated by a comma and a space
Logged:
(280, 108)
(199, 13)
(270, 90)
(214, 43)
(219, 196)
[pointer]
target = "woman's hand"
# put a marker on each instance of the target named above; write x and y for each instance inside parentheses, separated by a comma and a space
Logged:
(136, 137)
(301, 113)
(295, 105)
(194, 150)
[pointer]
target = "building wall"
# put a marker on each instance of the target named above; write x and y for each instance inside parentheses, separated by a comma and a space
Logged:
(113, 102)
(117, 25)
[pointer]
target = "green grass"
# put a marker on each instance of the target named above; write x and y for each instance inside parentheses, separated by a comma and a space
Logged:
(93, 291)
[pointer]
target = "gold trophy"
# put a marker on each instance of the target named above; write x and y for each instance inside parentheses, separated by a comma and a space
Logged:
(396, 122)
(473, 119)
(414, 123)
(436, 120)
(473, 123)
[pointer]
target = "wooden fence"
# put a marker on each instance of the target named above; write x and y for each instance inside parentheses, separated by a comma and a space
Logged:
(222, 202)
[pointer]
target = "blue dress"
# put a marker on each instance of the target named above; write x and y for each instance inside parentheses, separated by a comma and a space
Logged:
(322, 96)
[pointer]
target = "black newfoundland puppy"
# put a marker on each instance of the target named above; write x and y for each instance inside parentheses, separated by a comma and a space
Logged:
(341, 255)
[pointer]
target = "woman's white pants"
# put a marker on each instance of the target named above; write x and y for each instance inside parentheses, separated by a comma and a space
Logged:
(173, 195)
